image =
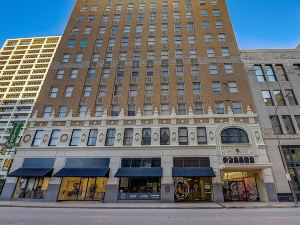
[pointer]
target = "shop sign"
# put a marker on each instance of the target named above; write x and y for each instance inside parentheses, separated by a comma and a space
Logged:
(182, 189)
(238, 159)
(139, 196)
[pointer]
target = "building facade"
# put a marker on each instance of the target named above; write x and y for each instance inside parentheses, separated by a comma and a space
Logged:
(145, 101)
(24, 64)
(274, 77)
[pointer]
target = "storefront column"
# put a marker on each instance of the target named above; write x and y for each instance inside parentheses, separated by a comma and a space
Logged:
(8, 189)
(167, 183)
(112, 186)
(217, 189)
(270, 185)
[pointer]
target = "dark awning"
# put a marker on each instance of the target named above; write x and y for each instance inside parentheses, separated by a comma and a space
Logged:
(82, 172)
(193, 172)
(32, 172)
(139, 172)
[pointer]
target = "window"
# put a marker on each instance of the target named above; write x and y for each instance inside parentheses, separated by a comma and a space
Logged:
(198, 108)
(75, 31)
(298, 120)
(234, 136)
(259, 73)
(82, 111)
(180, 89)
(146, 136)
(177, 40)
(164, 89)
(62, 111)
(208, 38)
(131, 110)
(120, 72)
(128, 137)
(210, 53)
(291, 97)
(109, 57)
(204, 13)
(95, 57)
(181, 109)
(195, 70)
(276, 125)
(79, 57)
(183, 136)
(135, 72)
(150, 71)
(66, 58)
(201, 135)
(150, 55)
(213, 69)
(216, 88)
(279, 97)
(75, 138)
(68, 91)
(205, 25)
(39, 134)
(196, 88)
(267, 98)
(149, 90)
(53, 92)
(60, 74)
(232, 87)
(133, 90)
(219, 24)
(148, 110)
(136, 55)
(220, 108)
(117, 90)
(102, 90)
(47, 111)
(98, 110)
(164, 109)
(83, 43)
(216, 13)
(91, 74)
(222, 37)
(115, 110)
(225, 52)
(179, 70)
(74, 73)
(105, 73)
(281, 74)
(237, 108)
(270, 73)
(54, 138)
(178, 54)
(87, 30)
(228, 68)
(110, 137)
(191, 40)
(164, 136)
(92, 140)
(297, 69)
(290, 129)
(87, 91)
(71, 43)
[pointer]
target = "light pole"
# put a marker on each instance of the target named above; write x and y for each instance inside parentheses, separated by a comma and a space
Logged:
(282, 153)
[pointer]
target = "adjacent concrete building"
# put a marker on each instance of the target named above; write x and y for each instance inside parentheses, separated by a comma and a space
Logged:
(24, 64)
(145, 101)
(274, 78)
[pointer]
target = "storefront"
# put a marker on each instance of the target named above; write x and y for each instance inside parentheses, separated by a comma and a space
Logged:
(33, 178)
(140, 179)
(192, 179)
(83, 179)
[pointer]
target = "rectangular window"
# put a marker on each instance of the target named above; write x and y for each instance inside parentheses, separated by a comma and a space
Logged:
(297, 69)
(220, 108)
(135, 72)
(92, 140)
(291, 97)
(270, 73)
(98, 110)
(87, 91)
(54, 138)
(259, 73)
(279, 97)
(281, 74)
(75, 138)
(181, 109)
(74, 73)
(164, 71)
(150, 71)
(69, 91)
(276, 125)
(149, 90)
(60, 74)
(237, 108)
(62, 113)
(233, 87)
(164, 136)
(146, 136)
(47, 111)
(198, 108)
(117, 90)
(102, 90)
(213, 69)
(82, 111)
(147, 110)
(133, 90)
(298, 121)
(267, 98)
(128, 137)
(179, 70)
(39, 134)
(83, 43)
(228, 68)
(183, 136)
(66, 58)
(78, 57)
(201, 135)
(53, 92)
(180, 89)
(110, 137)
(91, 74)
(71, 43)
(289, 126)
(210, 53)
(216, 88)
(131, 110)
(164, 89)
(225, 52)
(164, 109)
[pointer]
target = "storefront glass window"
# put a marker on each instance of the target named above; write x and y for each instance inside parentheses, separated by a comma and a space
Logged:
(33, 187)
(139, 185)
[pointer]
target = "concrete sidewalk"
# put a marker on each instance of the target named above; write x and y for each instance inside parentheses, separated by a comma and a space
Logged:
(98, 205)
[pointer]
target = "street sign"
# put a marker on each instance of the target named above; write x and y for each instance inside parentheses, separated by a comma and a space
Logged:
(11, 141)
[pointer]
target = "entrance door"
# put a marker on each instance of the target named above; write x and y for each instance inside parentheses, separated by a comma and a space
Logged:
(245, 190)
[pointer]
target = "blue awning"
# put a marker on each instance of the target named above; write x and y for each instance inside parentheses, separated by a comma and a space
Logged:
(82, 172)
(139, 172)
(32, 172)
(193, 172)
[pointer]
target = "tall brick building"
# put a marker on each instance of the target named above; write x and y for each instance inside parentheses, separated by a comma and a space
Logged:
(145, 101)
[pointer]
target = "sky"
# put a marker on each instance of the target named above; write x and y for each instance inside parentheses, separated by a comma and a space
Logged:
(257, 23)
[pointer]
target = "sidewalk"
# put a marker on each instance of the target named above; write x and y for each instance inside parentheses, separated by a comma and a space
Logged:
(97, 205)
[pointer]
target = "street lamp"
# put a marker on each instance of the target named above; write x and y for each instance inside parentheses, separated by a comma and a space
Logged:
(282, 154)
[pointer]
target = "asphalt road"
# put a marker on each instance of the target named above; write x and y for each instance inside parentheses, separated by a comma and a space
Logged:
(67, 216)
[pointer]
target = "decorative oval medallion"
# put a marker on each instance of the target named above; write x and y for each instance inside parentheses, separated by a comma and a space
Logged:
(26, 138)
(137, 136)
(174, 136)
(193, 136)
(211, 135)
(45, 138)
(257, 135)
(155, 136)
(83, 137)
(64, 138)
(119, 137)
(101, 137)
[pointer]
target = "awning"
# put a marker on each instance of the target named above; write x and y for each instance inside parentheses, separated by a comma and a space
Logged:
(82, 172)
(193, 172)
(235, 167)
(139, 172)
(32, 172)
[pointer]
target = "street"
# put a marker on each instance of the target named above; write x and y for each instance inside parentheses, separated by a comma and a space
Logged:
(75, 216)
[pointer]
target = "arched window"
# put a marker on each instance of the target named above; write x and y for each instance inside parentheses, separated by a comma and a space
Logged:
(234, 135)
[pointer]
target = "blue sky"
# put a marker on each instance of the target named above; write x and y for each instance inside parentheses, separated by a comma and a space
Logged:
(257, 23)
